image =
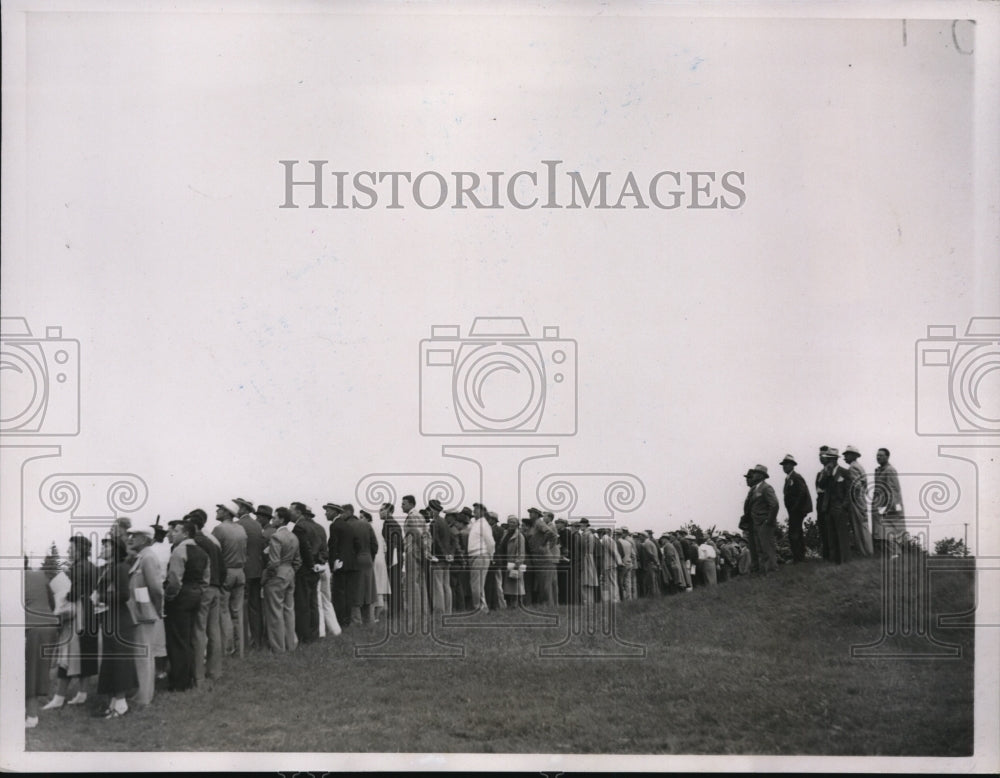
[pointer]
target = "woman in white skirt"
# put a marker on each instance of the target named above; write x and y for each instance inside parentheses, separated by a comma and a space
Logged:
(382, 589)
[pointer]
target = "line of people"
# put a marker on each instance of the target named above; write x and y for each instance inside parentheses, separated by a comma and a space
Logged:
(171, 601)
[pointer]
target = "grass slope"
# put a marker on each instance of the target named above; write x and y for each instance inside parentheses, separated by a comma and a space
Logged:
(753, 666)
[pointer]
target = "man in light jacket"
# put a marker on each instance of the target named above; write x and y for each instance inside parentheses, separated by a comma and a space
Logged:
(481, 547)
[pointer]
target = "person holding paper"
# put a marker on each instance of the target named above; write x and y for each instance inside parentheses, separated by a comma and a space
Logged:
(512, 556)
(145, 584)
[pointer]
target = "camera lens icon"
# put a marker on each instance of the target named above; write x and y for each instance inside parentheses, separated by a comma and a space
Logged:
(497, 381)
(958, 380)
(39, 381)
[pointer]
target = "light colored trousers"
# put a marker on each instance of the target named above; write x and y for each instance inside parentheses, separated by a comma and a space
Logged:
(279, 613)
(479, 567)
(441, 581)
(145, 662)
(327, 615)
(231, 610)
(208, 636)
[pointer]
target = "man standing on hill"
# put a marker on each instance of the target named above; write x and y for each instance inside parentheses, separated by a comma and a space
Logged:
(888, 522)
(278, 579)
(857, 491)
(798, 503)
(761, 508)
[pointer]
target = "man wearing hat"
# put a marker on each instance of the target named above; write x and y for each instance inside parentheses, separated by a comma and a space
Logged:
(416, 553)
(188, 574)
(233, 543)
(832, 493)
(798, 503)
(392, 534)
(339, 550)
(761, 509)
(494, 578)
(443, 554)
(821, 503)
(307, 576)
(278, 580)
(253, 622)
(146, 595)
(542, 538)
(857, 490)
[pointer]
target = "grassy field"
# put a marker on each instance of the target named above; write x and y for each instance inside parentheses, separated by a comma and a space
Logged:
(753, 666)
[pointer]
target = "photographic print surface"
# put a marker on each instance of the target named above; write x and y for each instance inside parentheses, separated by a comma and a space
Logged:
(586, 284)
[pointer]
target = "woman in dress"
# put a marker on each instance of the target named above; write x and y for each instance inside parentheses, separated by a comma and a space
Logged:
(77, 653)
(40, 632)
(382, 589)
(118, 676)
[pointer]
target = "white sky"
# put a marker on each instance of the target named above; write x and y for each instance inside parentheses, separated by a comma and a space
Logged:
(230, 348)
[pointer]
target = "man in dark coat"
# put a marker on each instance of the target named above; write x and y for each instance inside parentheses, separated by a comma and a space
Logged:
(340, 535)
(833, 482)
(799, 504)
(306, 577)
(252, 569)
(761, 508)
(361, 594)
(392, 534)
(443, 554)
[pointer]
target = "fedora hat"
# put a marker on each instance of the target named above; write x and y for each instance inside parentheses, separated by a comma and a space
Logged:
(851, 450)
(788, 458)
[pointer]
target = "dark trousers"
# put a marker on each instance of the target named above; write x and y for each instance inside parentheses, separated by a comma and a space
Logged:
(181, 613)
(395, 592)
(253, 630)
(306, 607)
(339, 597)
(796, 538)
(562, 581)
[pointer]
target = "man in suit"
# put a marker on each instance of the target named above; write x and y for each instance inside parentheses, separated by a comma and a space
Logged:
(834, 485)
(361, 581)
(443, 554)
(329, 619)
(337, 547)
(541, 539)
(392, 534)
(481, 548)
(857, 490)
(821, 506)
(761, 508)
(798, 503)
(306, 577)
(252, 568)
(278, 580)
(888, 519)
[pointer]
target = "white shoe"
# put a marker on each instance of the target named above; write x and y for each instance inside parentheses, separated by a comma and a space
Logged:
(56, 702)
(81, 697)
(30, 722)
